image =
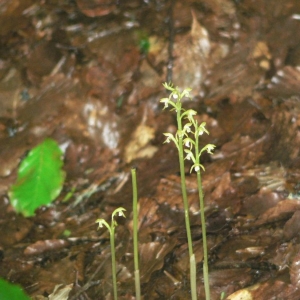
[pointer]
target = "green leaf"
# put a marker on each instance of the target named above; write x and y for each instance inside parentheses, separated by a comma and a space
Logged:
(40, 178)
(10, 291)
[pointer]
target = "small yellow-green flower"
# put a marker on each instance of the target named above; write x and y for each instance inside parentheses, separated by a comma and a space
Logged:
(210, 148)
(165, 101)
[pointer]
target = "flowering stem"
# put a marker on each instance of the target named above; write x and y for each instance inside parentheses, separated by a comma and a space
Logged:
(113, 261)
(185, 202)
(111, 228)
(183, 137)
(204, 241)
(183, 186)
(203, 223)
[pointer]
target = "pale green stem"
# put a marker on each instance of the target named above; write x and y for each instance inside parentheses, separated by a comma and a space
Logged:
(193, 276)
(135, 235)
(185, 199)
(183, 186)
(137, 284)
(113, 260)
(203, 226)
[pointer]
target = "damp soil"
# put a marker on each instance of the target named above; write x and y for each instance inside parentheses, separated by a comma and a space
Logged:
(89, 74)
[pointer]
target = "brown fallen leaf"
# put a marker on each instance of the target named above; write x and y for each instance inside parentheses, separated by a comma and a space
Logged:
(96, 8)
(40, 247)
(282, 210)
(152, 257)
(292, 226)
(139, 146)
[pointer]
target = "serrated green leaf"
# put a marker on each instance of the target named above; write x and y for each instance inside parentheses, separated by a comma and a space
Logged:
(40, 178)
(10, 291)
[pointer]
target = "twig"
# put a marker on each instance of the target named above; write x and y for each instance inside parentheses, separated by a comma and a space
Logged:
(171, 43)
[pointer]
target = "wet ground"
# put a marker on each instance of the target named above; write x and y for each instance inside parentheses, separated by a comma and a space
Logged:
(82, 73)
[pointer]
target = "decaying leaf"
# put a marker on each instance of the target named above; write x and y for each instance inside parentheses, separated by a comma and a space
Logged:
(284, 209)
(42, 246)
(61, 292)
(152, 257)
(139, 146)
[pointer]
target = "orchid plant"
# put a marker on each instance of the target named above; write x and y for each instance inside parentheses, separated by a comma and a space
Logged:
(111, 228)
(188, 135)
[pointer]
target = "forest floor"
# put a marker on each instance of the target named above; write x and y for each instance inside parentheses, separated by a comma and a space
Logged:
(89, 74)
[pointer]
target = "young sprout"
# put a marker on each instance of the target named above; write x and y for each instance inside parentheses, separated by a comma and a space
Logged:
(111, 228)
(135, 235)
